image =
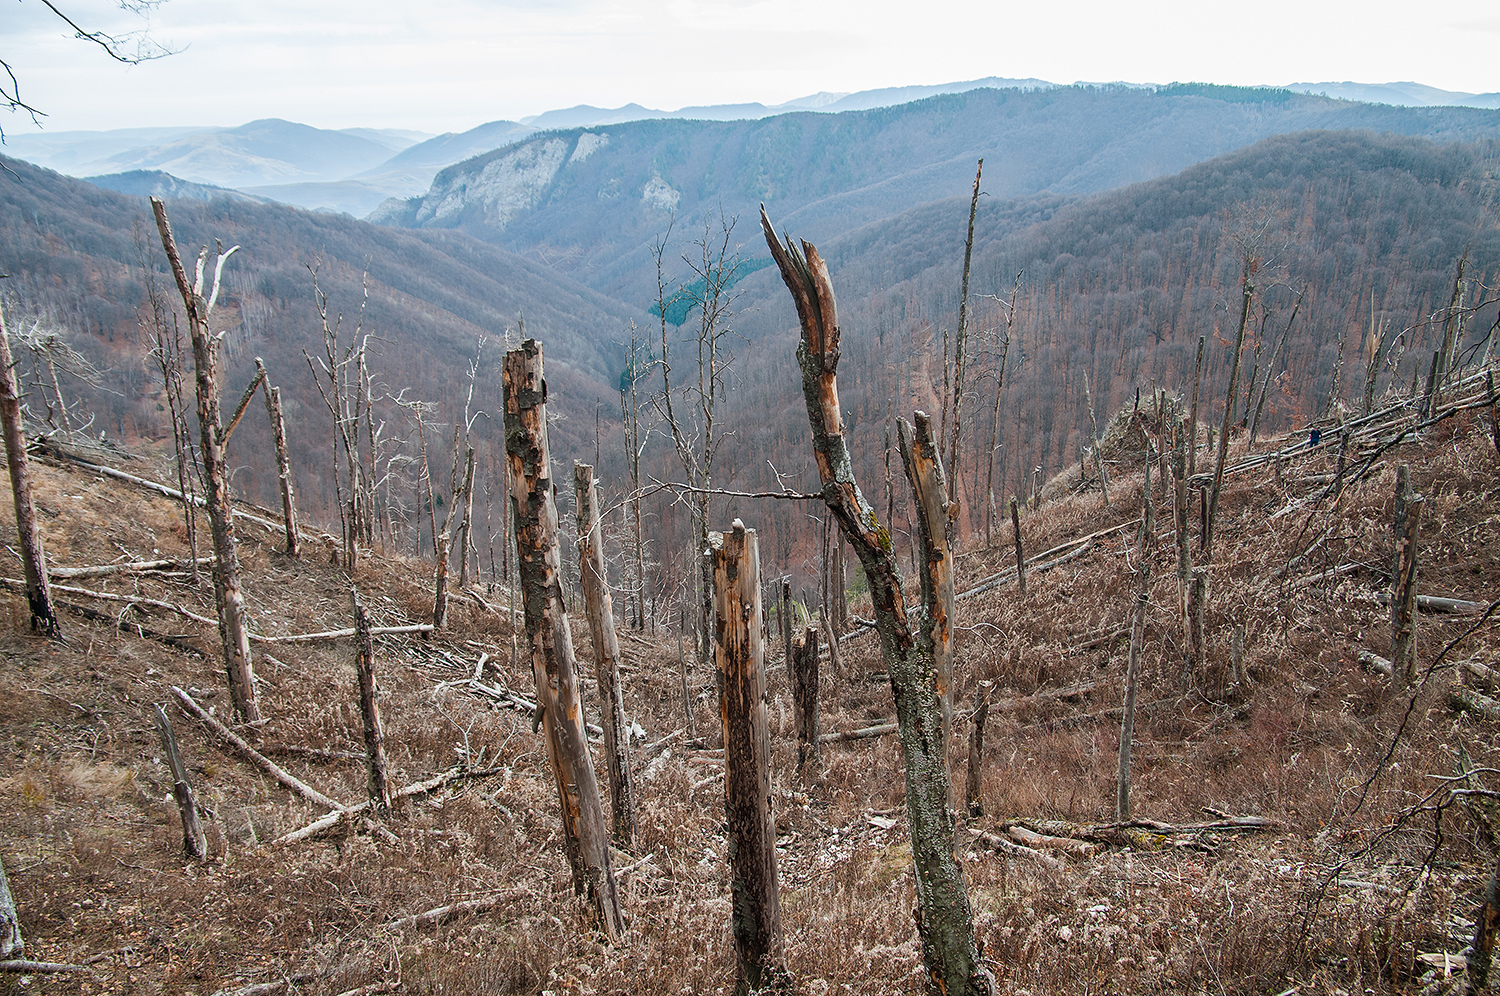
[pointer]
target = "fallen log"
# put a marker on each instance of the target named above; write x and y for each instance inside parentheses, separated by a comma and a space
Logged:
(127, 567)
(1041, 841)
(252, 755)
(1445, 606)
(1372, 661)
(1467, 700)
(340, 634)
(1067, 692)
(867, 733)
(441, 913)
(1004, 845)
(415, 788)
(22, 966)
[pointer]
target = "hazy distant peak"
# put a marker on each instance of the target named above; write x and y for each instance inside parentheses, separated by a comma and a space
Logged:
(1399, 94)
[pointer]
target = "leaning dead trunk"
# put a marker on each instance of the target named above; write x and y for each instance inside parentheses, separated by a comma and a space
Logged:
(598, 605)
(29, 534)
(539, 563)
(739, 653)
(377, 778)
(283, 464)
(194, 843)
(1408, 518)
(233, 629)
(945, 918)
(1247, 289)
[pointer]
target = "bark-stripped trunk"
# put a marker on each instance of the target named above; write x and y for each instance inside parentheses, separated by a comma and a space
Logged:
(600, 609)
(377, 780)
(468, 517)
(924, 468)
(12, 944)
(29, 534)
(1408, 518)
(802, 674)
(233, 629)
(440, 582)
(283, 463)
(550, 639)
(739, 654)
(945, 919)
(1132, 674)
(194, 843)
(974, 788)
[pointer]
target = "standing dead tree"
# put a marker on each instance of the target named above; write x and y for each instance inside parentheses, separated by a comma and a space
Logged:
(1132, 676)
(194, 843)
(539, 563)
(377, 777)
(802, 675)
(999, 375)
(29, 534)
(1407, 520)
(739, 653)
(960, 343)
(924, 468)
(974, 786)
(283, 462)
(1250, 264)
(600, 609)
(945, 918)
(233, 628)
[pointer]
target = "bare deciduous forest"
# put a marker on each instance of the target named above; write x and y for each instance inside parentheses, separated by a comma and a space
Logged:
(1194, 614)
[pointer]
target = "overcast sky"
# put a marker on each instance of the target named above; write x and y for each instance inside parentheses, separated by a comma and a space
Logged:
(377, 63)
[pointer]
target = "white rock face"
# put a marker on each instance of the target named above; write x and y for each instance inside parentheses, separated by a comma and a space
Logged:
(506, 187)
(588, 142)
(659, 194)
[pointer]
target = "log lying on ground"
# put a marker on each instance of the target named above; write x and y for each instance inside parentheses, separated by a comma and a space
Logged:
(415, 788)
(1046, 560)
(1004, 845)
(1371, 661)
(1048, 695)
(1468, 700)
(1435, 603)
(1041, 841)
(441, 913)
(127, 567)
(21, 966)
(252, 755)
(868, 732)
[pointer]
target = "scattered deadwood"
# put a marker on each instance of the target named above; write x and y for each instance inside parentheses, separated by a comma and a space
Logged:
(441, 913)
(377, 780)
(1041, 841)
(802, 675)
(1468, 700)
(1374, 662)
(283, 463)
(128, 567)
(252, 755)
(1406, 525)
(18, 965)
(1004, 845)
(342, 634)
(1428, 603)
(868, 732)
(1483, 675)
(1049, 695)
(1046, 560)
(345, 816)
(974, 786)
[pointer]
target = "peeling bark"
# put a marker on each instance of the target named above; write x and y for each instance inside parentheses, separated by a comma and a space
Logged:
(29, 534)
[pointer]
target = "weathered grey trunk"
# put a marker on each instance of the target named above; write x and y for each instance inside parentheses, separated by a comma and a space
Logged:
(1408, 519)
(440, 581)
(233, 629)
(464, 528)
(194, 843)
(1132, 676)
(945, 918)
(974, 788)
(1247, 291)
(283, 463)
(549, 637)
(12, 944)
(377, 780)
(802, 675)
(1191, 648)
(1192, 440)
(924, 468)
(600, 609)
(1015, 526)
(739, 654)
(29, 534)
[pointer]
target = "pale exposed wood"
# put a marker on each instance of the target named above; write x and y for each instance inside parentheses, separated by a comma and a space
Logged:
(1047, 695)
(440, 583)
(1467, 700)
(550, 639)
(129, 567)
(283, 463)
(345, 816)
(924, 469)
(194, 843)
(1407, 522)
(1042, 841)
(866, 733)
(1425, 603)
(21, 966)
(1003, 845)
(341, 634)
(600, 610)
(1374, 662)
(377, 779)
(1068, 551)
(12, 942)
(945, 917)
(29, 534)
(239, 410)
(739, 655)
(233, 628)
(441, 913)
(244, 750)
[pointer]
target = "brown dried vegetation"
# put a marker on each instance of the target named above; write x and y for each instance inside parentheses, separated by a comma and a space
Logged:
(91, 841)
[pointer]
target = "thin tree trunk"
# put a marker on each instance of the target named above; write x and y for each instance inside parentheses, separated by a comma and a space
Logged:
(1184, 550)
(283, 463)
(1193, 411)
(233, 630)
(194, 843)
(1486, 923)
(682, 668)
(600, 609)
(739, 654)
(1015, 526)
(924, 468)
(440, 582)
(803, 677)
(1094, 439)
(1197, 640)
(29, 534)
(959, 343)
(975, 787)
(945, 918)
(1132, 675)
(539, 559)
(12, 944)
(377, 779)
(786, 619)
(1247, 292)
(464, 527)
(1408, 519)
(1265, 384)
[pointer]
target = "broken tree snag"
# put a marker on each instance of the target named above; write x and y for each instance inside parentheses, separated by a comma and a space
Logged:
(924, 469)
(803, 677)
(786, 619)
(194, 843)
(283, 463)
(550, 640)
(1132, 674)
(1407, 520)
(377, 779)
(1015, 525)
(1184, 550)
(945, 918)
(29, 534)
(12, 944)
(739, 653)
(975, 787)
(600, 609)
(440, 582)
(233, 630)
(1197, 639)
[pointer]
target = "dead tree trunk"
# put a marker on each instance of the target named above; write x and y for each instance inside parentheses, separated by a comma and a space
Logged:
(194, 844)
(1193, 410)
(1132, 674)
(440, 581)
(12, 944)
(1184, 549)
(283, 463)
(1247, 291)
(924, 468)
(739, 654)
(600, 609)
(464, 528)
(377, 779)
(1094, 440)
(803, 677)
(786, 620)
(1197, 640)
(539, 560)
(1486, 924)
(945, 918)
(975, 787)
(233, 630)
(1408, 518)
(29, 534)
(1015, 526)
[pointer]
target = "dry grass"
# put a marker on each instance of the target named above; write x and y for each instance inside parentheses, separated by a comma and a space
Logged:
(92, 844)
